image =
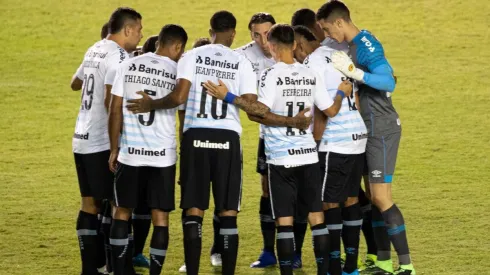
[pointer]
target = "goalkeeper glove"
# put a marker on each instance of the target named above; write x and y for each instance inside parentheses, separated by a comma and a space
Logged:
(342, 62)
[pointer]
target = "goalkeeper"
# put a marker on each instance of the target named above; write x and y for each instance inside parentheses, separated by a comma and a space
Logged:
(374, 75)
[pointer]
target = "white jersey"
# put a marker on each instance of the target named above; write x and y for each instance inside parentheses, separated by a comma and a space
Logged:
(260, 62)
(99, 67)
(286, 90)
(213, 62)
(332, 44)
(147, 139)
(345, 133)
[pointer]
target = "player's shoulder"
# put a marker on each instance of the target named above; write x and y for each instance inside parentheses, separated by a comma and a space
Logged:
(247, 48)
(366, 42)
(322, 56)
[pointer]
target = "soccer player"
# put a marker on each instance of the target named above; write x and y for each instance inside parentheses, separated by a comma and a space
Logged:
(104, 31)
(258, 53)
(372, 70)
(294, 173)
(342, 146)
(144, 159)
(307, 17)
(91, 140)
(202, 41)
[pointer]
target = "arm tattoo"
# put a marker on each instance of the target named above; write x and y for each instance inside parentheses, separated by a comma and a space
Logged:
(251, 108)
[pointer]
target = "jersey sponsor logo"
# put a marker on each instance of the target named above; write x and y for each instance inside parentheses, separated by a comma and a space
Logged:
(328, 59)
(81, 136)
(301, 151)
(368, 44)
(359, 136)
(144, 69)
(211, 145)
(291, 81)
(143, 152)
(216, 63)
(376, 173)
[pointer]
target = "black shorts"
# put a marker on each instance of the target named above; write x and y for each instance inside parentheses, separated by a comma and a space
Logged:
(261, 158)
(295, 191)
(157, 183)
(94, 177)
(211, 155)
(342, 175)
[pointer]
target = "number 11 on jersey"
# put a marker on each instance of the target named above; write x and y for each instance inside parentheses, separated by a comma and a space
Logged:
(290, 105)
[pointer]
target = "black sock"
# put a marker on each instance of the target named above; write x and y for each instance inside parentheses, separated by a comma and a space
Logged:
(381, 236)
(119, 243)
(285, 249)
(398, 235)
(229, 238)
(367, 229)
(141, 228)
(299, 228)
(87, 240)
(106, 231)
(333, 218)
(352, 217)
(100, 242)
(267, 224)
(217, 247)
(158, 249)
(130, 251)
(192, 243)
(320, 237)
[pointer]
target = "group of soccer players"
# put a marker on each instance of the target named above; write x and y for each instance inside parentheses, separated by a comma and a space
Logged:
(320, 89)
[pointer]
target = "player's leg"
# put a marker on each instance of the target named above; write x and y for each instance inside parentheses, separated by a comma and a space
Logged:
(283, 197)
(161, 199)
(381, 174)
(141, 220)
(367, 227)
(106, 232)
(216, 249)
(227, 191)
(267, 224)
(126, 184)
(299, 227)
(195, 183)
(310, 199)
(352, 217)
(183, 268)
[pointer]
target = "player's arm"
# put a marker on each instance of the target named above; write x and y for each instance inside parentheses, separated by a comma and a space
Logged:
(112, 65)
(324, 102)
(379, 75)
(77, 79)
(319, 124)
(181, 113)
(116, 118)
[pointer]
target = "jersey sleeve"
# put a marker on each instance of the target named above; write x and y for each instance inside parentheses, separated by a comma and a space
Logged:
(267, 89)
(185, 67)
(247, 78)
(112, 64)
(370, 53)
(322, 98)
(118, 83)
(79, 72)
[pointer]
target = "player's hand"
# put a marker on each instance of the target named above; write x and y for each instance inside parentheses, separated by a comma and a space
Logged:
(346, 87)
(113, 160)
(218, 91)
(303, 119)
(140, 105)
(342, 62)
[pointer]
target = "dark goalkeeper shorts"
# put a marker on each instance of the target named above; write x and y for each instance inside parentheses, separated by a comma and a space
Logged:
(381, 153)
(295, 191)
(157, 184)
(211, 155)
(341, 175)
(261, 158)
(94, 177)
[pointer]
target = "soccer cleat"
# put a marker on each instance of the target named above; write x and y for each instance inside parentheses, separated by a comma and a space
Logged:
(369, 263)
(141, 261)
(216, 259)
(342, 259)
(183, 269)
(266, 259)
(375, 271)
(405, 270)
(297, 263)
(355, 272)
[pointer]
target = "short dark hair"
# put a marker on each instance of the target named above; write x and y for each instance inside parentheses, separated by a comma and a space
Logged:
(334, 8)
(305, 32)
(281, 33)
(104, 31)
(303, 17)
(223, 21)
(172, 33)
(150, 44)
(260, 18)
(120, 16)
(201, 42)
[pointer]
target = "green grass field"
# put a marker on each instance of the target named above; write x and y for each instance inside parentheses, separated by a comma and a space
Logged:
(439, 50)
